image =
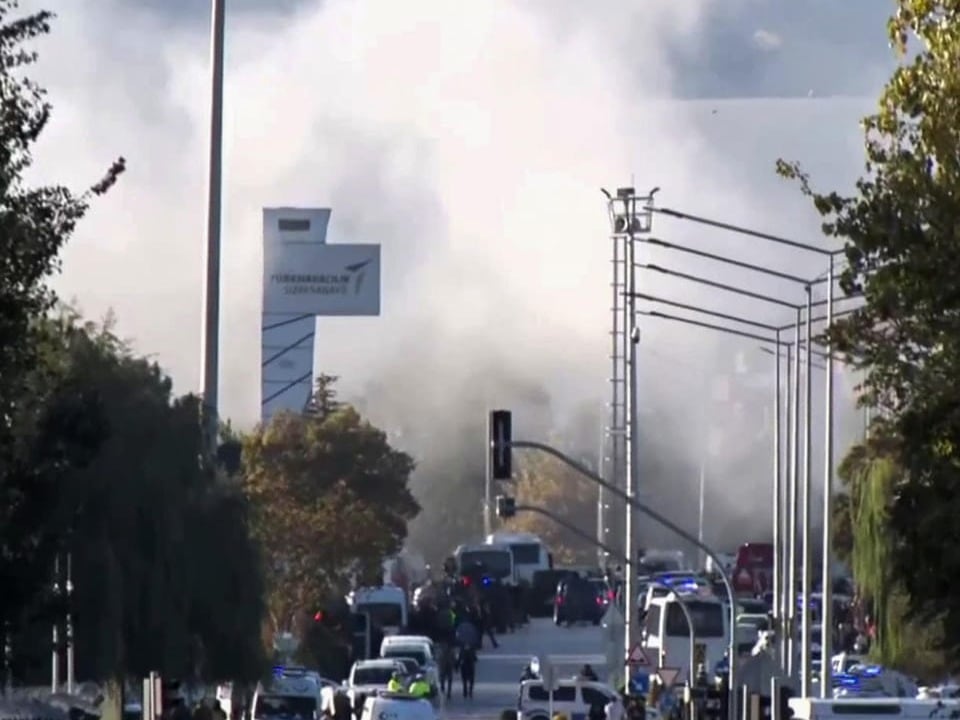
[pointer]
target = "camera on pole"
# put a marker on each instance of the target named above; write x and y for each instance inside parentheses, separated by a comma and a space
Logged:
(506, 507)
(501, 460)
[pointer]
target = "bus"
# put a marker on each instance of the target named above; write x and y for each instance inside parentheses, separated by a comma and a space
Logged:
(494, 561)
(529, 553)
(666, 632)
(753, 571)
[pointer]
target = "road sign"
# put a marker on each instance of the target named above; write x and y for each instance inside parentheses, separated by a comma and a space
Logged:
(638, 656)
(668, 675)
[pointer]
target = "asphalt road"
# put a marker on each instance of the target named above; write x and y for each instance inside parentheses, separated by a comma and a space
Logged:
(498, 671)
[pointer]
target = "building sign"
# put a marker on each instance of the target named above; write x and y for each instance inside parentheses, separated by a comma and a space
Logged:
(304, 277)
(330, 280)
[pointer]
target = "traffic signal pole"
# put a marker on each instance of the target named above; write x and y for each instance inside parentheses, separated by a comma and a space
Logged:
(501, 444)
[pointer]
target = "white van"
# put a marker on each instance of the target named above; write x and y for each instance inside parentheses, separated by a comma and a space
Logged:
(395, 706)
(666, 632)
(292, 694)
(496, 560)
(870, 709)
(417, 648)
(387, 606)
(529, 553)
(571, 697)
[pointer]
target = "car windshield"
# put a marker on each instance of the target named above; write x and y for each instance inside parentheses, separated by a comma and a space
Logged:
(405, 651)
(285, 706)
(372, 675)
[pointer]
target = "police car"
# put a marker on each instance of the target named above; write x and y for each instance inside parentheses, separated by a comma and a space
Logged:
(572, 697)
(292, 694)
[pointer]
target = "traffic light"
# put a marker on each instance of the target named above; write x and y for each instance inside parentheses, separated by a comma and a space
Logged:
(501, 460)
(319, 616)
(506, 507)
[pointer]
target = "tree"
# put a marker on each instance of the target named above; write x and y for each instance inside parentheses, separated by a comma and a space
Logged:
(901, 241)
(330, 500)
(165, 570)
(35, 222)
(545, 482)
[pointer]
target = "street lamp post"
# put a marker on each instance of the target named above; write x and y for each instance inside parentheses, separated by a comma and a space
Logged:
(211, 329)
(785, 557)
(827, 572)
(778, 551)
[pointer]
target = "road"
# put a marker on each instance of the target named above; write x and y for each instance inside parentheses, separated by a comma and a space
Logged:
(498, 671)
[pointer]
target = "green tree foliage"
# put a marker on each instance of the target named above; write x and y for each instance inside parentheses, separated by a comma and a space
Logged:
(35, 222)
(900, 235)
(166, 572)
(330, 500)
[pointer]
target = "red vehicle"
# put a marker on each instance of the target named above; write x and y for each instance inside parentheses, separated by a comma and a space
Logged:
(753, 572)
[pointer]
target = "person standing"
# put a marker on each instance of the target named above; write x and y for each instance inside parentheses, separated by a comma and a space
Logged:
(468, 669)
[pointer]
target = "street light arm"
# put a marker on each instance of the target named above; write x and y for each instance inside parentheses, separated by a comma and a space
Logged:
(743, 231)
(659, 519)
(768, 351)
(819, 318)
(708, 326)
(726, 260)
(712, 313)
(720, 286)
(574, 530)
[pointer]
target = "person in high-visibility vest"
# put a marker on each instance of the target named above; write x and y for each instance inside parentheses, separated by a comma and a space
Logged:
(419, 688)
(396, 684)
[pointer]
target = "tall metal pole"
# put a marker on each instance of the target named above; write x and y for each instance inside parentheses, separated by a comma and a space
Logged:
(211, 326)
(631, 618)
(71, 674)
(700, 509)
(806, 586)
(601, 499)
(786, 596)
(778, 563)
(487, 485)
(55, 659)
(794, 555)
(826, 632)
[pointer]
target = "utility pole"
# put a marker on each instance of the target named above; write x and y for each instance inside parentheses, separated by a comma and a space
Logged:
(211, 325)
(630, 217)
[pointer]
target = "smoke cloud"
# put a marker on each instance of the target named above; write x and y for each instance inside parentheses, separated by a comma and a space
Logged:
(471, 140)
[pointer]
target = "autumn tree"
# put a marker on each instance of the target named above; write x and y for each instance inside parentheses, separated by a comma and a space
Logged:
(330, 501)
(545, 482)
(35, 222)
(901, 241)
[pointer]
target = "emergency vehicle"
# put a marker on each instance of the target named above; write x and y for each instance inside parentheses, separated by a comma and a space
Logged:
(753, 570)
(387, 606)
(529, 553)
(291, 694)
(666, 631)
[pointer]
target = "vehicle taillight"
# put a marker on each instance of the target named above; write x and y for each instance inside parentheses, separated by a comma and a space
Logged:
(599, 600)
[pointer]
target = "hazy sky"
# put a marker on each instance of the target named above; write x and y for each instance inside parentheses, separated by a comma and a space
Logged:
(471, 140)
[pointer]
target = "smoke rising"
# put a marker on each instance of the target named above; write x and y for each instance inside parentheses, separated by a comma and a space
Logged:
(471, 140)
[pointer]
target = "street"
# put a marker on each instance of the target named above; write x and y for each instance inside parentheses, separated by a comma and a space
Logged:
(498, 672)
